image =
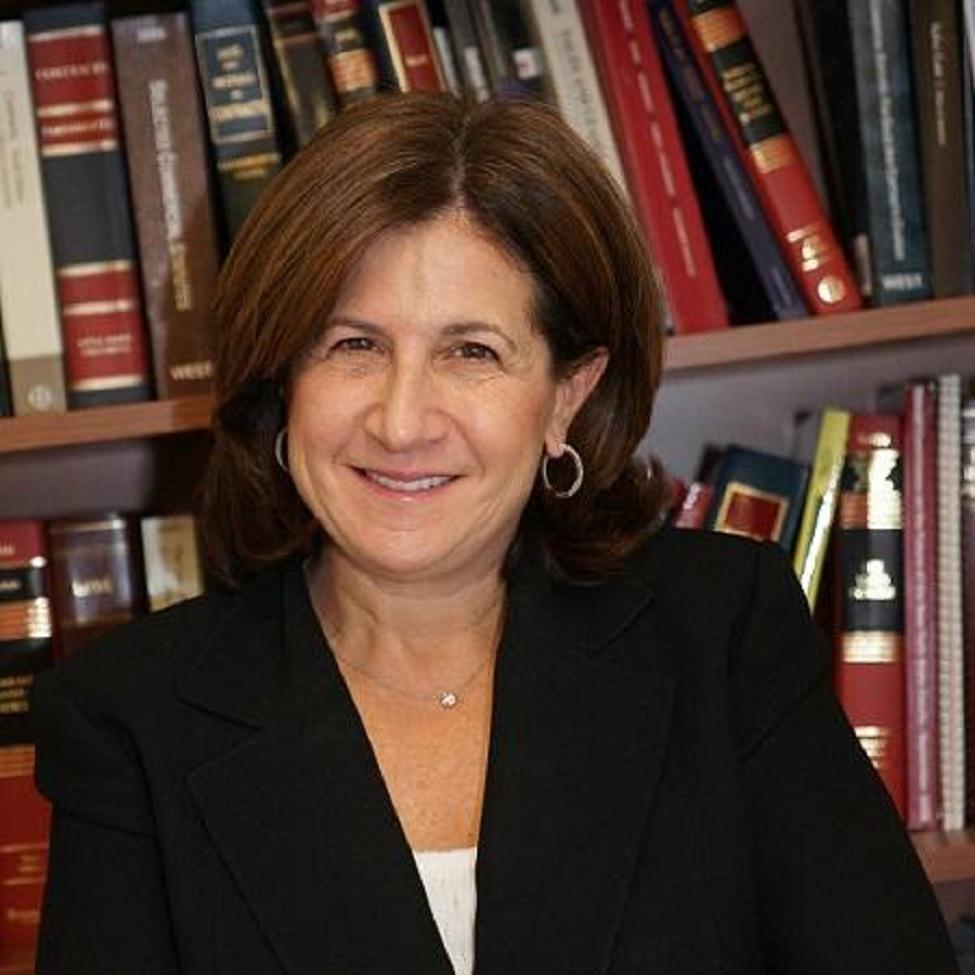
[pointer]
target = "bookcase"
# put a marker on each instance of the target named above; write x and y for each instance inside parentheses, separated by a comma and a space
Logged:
(737, 385)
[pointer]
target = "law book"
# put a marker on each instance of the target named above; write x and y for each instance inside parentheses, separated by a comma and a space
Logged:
(96, 577)
(920, 611)
(869, 647)
(165, 142)
(758, 495)
(28, 297)
(514, 63)
(351, 62)
(440, 29)
(951, 649)
(936, 43)
(25, 622)
(749, 249)
(897, 236)
(822, 499)
(654, 162)
(24, 827)
(403, 45)
(234, 76)
(694, 506)
(559, 33)
(466, 46)
(967, 502)
(86, 188)
(719, 40)
(171, 557)
(299, 68)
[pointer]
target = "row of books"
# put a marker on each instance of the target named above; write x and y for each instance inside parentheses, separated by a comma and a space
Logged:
(140, 145)
(882, 506)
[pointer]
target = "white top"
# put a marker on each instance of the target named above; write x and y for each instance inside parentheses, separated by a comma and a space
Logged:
(448, 877)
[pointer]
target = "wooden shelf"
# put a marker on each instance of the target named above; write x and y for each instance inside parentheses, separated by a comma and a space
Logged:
(947, 857)
(105, 424)
(807, 336)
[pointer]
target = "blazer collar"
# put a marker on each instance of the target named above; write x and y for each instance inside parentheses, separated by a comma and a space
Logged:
(301, 816)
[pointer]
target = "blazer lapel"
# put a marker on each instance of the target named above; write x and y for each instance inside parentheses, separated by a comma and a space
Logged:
(298, 809)
(576, 754)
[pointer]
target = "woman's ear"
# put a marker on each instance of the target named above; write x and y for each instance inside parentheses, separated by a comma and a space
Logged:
(571, 393)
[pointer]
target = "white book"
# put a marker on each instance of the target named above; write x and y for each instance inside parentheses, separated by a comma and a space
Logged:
(574, 81)
(951, 662)
(172, 559)
(28, 297)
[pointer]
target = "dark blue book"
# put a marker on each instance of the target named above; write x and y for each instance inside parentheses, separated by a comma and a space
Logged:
(694, 102)
(758, 495)
(898, 243)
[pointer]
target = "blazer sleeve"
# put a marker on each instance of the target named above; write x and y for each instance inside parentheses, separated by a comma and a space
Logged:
(842, 888)
(104, 907)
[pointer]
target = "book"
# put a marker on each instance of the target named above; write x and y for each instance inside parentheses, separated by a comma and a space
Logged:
(885, 101)
(350, 59)
(653, 159)
(726, 57)
(86, 188)
(25, 623)
(96, 577)
(6, 399)
(967, 503)
(920, 595)
(758, 495)
(440, 29)
(559, 33)
(234, 76)
(28, 298)
(402, 42)
(24, 828)
(299, 68)
(171, 557)
(468, 57)
(515, 66)
(869, 647)
(165, 142)
(709, 145)
(694, 506)
(936, 39)
(951, 649)
(822, 498)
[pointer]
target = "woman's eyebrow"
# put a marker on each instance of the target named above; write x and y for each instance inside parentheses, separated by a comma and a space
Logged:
(453, 330)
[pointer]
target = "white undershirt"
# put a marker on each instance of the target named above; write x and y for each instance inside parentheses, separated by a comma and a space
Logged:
(448, 877)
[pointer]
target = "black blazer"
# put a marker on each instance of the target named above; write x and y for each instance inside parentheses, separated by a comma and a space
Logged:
(671, 788)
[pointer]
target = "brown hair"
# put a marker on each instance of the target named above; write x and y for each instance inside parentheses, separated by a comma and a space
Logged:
(517, 172)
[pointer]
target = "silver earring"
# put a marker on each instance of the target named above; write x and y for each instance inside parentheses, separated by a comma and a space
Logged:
(580, 472)
(279, 448)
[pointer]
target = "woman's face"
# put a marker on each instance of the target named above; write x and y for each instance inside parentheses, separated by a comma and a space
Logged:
(417, 423)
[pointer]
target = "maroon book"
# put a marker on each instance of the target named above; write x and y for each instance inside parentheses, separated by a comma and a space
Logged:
(968, 591)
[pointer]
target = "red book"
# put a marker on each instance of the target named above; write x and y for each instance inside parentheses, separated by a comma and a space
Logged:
(653, 156)
(920, 605)
(404, 45)
(694, 506)
(741, 90)
(24, 825)
(869, 666)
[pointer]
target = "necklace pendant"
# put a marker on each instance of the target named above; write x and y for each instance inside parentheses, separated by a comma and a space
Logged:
(448, 700)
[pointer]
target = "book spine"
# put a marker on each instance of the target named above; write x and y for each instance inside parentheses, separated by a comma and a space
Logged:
(351, 62)
(234, 76)
(967, 502)
(562, 38)
(24, 828)
(869, 670)
(938, 75)
(25, 623)
(171, 556)
(86, 188)
(822, 497)
(96, 577)
(897, 238)
(467, 50)
(6, 399)
(514, 62)
(175, 224)
(729, 64)
(404, 45)
(951, 662)
(724, 162)
(28, 297)
(653, 157)
(301, 68)
(920, 618)
(694, 508)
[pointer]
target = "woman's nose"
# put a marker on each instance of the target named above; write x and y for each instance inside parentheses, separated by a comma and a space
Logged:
(406, 413)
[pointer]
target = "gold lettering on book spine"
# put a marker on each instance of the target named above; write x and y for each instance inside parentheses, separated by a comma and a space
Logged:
(773, 153)
(871, 647)
(875, 741)
(718, 28)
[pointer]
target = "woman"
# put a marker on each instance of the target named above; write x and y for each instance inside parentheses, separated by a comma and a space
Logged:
(451, 642)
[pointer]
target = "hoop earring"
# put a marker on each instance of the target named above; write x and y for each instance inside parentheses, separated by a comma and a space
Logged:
(573, 488)
(279, 449)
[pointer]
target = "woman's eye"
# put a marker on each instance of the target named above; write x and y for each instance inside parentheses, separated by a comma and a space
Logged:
(354, 343)
(476, 352)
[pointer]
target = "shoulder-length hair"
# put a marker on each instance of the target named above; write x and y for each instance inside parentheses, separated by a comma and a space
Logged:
(517, 171)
